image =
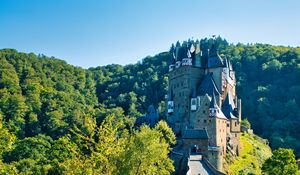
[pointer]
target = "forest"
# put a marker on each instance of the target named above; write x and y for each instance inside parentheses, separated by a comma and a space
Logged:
(56, 118)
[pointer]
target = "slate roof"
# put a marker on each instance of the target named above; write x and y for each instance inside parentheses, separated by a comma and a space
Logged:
(228, 106)
(213, 103)
(214, 59)
(208, 86)
(182, 53)
(195, 134)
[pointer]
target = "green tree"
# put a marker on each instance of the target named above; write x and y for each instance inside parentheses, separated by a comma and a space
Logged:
(166, 131)
(282, 162)
(147, 153)
(245, 122)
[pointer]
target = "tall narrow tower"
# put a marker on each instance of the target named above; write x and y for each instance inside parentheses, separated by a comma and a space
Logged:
(184, 76)
(200, 100)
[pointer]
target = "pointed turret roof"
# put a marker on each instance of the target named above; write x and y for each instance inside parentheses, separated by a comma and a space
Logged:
(214, 105)
(214, 59)
(228, 106)
(208, 86)
(173, 55)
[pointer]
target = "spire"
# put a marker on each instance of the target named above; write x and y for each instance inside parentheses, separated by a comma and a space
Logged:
(177, 52)
(198, 55)
(214, 59)
(173, 55)
(213, 51)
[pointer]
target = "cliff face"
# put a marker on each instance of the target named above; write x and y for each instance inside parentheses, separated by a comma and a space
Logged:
(254, 151)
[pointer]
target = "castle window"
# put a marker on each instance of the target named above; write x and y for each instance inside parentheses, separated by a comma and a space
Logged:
(227, 124)
(198, 120)
(203, 111)
(193, 102)
(206, 104)
(204, 121)
(235, 135)
(234, 123)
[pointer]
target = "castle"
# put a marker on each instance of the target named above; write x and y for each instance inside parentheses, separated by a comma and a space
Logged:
(202, 107)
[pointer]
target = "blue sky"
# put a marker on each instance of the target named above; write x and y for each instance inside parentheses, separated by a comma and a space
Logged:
(90, 33)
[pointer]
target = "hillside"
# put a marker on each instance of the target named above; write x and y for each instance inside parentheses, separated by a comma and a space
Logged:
(254, 151)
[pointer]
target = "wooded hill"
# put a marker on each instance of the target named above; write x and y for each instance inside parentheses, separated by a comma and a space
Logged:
(57, 118)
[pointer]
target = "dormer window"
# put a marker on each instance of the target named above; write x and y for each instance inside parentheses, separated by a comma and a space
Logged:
(212, 112)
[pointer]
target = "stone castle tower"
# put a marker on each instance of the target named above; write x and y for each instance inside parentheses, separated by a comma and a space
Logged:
(202, 107)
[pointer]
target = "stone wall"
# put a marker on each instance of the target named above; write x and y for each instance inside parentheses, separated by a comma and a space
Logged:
(201, 143)
(221, 133)
(215, 157)
(182, 81)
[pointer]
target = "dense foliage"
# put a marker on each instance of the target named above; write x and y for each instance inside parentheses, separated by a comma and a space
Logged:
(52, 123)
(282, 162)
